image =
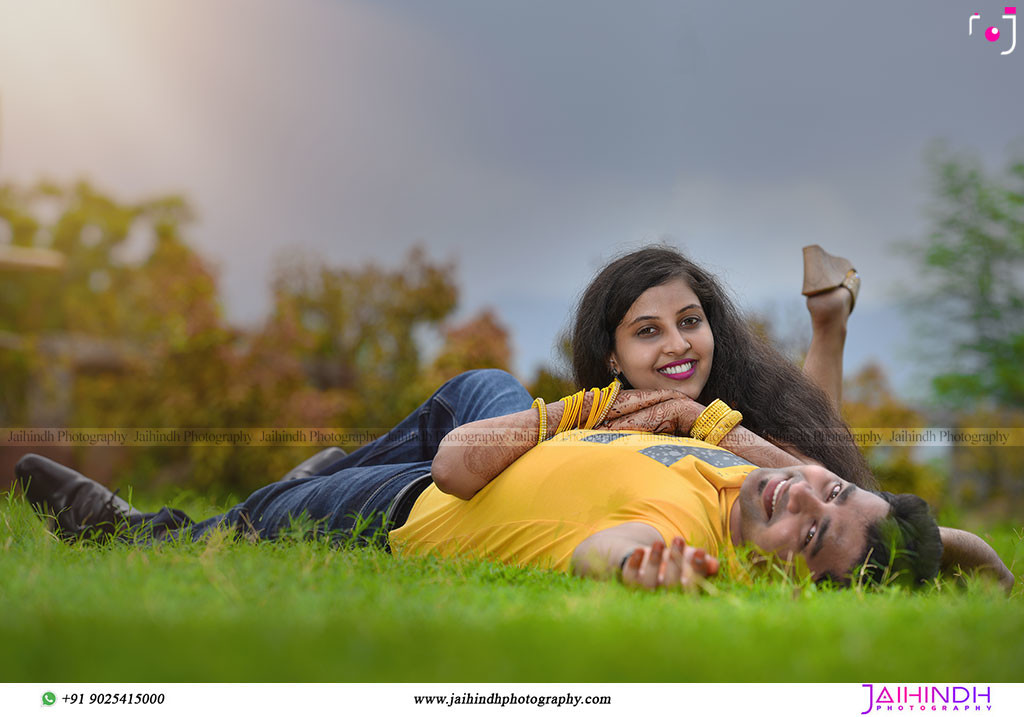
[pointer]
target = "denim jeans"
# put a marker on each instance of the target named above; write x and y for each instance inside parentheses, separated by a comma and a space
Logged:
(360, 488)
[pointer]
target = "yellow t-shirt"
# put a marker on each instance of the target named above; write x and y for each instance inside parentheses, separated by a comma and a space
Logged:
(539, 509)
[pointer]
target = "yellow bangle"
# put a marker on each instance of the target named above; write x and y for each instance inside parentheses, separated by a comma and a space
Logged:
(609, 398)
(726, 424)
(542, 414)
(595, 408)
(711, 415)
(571, 407)
(577, 406)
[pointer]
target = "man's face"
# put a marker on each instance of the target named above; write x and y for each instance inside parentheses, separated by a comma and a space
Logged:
(807, 511)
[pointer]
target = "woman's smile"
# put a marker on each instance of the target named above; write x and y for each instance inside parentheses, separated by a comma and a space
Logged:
(665, 340)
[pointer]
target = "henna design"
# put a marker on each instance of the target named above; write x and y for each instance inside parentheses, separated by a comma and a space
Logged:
(481, 460)
(634, 400)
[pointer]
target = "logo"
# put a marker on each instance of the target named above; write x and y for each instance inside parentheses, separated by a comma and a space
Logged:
(993, 34)
(928, 698)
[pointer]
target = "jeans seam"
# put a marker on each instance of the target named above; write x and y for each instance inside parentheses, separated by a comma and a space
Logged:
(377, 491)
(447, 407)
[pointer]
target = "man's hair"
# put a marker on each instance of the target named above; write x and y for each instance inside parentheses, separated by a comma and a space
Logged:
(904, 547)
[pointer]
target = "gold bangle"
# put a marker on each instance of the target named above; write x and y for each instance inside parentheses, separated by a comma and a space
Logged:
(542, 414)
(716, 411)
(577, 406)
(726, 424)
(571, 406)
(613, 392)
(595, 408)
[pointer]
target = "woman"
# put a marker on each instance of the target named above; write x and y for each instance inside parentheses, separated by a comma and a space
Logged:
(629, 324)
(666, 328)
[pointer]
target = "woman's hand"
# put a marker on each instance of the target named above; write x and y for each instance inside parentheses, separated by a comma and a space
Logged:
(660, 411)
(682, 568)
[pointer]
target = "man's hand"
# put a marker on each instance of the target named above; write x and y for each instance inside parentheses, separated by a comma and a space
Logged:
(682, 568)
(971, 552)
(662, 411)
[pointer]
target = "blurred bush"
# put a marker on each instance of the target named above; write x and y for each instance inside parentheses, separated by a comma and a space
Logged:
(870, 403)
(133, 335)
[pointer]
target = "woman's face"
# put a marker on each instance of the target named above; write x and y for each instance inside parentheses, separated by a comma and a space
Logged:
(665, 341)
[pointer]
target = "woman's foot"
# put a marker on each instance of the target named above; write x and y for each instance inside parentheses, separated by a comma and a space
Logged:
(830, 309)
(831, 285)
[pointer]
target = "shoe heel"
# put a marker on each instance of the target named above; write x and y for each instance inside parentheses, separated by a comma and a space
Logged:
(824, 272)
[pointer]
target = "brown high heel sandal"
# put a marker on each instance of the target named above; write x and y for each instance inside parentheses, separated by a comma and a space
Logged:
(824, 272)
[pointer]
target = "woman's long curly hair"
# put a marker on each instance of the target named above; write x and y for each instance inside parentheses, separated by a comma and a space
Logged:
(778, 402)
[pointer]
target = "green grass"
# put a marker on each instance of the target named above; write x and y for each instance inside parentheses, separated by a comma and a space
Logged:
(227, 610)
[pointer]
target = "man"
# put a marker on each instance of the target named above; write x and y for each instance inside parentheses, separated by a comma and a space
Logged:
(653, 509)
(598, 502)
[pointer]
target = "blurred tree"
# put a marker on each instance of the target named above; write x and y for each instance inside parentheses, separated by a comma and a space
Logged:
(478, 342)
(90, 229)
(969, 299)
(359, 327)
(970, 296)
(78, 318)
(133, 335)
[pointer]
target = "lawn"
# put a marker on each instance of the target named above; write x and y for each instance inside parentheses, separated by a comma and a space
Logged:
(226, 610)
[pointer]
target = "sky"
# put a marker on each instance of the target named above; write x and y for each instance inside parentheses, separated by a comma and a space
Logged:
(527, 141)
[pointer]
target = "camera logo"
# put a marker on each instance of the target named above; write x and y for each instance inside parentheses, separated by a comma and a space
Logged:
(993, 34)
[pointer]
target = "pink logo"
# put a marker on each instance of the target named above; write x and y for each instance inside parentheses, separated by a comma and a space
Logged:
(993, 34)
(928, 698)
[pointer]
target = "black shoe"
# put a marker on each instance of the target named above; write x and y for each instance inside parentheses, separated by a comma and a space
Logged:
(315, 465)
(74, 503)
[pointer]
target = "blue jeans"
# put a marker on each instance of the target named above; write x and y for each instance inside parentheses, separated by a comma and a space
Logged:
(372, 488)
